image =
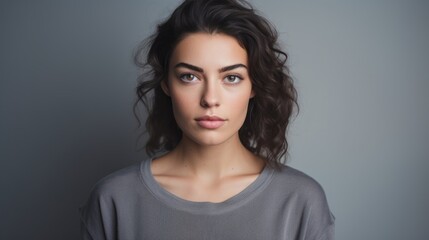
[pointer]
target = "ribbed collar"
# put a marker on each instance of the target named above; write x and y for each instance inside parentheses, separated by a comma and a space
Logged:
(206, 208)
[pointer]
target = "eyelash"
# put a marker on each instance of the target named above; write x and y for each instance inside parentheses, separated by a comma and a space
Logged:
(185, 75)
(236, 78)
(182, 76)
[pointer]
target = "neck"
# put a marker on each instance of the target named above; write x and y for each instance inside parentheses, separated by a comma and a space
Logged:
(215, 161)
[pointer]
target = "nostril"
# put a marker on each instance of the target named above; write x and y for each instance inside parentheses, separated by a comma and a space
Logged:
(208, 103)
(204, 103)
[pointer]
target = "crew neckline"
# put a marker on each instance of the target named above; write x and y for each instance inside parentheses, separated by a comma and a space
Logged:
(207, 208)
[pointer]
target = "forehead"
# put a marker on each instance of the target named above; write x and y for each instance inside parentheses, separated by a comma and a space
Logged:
(209, 50)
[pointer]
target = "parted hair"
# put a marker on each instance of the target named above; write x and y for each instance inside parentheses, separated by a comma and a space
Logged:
(269, 111)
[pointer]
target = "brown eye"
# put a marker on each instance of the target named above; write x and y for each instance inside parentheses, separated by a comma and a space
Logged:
(232, 79)
(188, 77)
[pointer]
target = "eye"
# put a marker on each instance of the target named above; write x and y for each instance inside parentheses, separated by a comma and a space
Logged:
(232, 79)
(188, 77)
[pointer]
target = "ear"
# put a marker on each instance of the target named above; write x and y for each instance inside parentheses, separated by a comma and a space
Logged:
(164, 87)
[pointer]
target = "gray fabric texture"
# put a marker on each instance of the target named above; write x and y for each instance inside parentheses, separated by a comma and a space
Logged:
(129, 204)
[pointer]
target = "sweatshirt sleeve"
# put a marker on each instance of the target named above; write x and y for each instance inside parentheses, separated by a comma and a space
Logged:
(98, 216)
(328, 233)
(319, 222)
(84, 233)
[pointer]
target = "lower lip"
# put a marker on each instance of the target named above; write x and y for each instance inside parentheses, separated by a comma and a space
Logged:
(210, 124)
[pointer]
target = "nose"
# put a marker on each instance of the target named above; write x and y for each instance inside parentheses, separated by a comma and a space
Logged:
(210, 95)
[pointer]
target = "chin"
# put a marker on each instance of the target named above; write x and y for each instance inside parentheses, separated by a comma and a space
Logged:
(210, 139)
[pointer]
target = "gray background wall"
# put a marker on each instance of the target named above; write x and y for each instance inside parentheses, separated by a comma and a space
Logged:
(361, 68)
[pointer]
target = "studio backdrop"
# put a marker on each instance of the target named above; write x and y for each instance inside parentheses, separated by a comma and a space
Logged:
(67, 87)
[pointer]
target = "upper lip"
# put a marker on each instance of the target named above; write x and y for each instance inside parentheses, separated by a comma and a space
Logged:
(209, 118)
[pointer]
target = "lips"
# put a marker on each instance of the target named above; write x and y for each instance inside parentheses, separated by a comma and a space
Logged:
(210, 122)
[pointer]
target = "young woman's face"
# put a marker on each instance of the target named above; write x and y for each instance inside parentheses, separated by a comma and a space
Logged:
(209, 86)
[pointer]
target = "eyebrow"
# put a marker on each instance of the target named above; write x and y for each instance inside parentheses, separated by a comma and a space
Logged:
(198, 69)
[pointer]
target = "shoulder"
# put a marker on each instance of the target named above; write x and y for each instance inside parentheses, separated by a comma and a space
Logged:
(98, 213)
(115, 188)
(293, 180)
(307, 199)
(118, 182)
(304, 192)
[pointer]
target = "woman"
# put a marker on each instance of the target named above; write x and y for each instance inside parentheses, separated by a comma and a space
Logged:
(222, 98)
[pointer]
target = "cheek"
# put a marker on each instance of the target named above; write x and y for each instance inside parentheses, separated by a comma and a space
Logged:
(238, 104)
(182, 107)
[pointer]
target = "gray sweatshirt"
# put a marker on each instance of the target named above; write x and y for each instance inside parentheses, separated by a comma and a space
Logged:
(129, 204)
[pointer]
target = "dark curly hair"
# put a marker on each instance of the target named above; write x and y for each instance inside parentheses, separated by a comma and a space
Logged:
(269, 111)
